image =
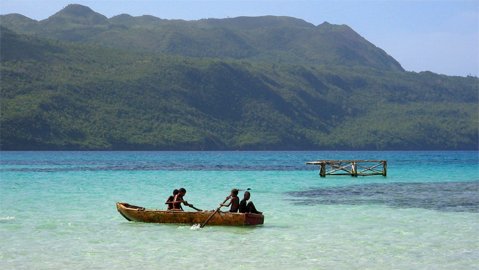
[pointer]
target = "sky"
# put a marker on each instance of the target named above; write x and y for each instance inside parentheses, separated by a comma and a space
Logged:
(441, 36)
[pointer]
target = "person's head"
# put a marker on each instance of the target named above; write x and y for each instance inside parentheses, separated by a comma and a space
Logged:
(175, 191)
(234, 192)
(247, 195)
(182, 191)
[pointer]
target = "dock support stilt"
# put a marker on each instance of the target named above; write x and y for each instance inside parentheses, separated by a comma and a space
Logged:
(354, 169)
(322, 170)
(385, 165)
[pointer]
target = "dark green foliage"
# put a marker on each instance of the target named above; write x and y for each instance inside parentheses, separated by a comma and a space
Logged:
(244, 95)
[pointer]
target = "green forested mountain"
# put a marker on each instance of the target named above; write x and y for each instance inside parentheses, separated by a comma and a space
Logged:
(79, 80)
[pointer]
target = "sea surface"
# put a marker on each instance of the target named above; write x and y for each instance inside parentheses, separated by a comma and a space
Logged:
(57, 211)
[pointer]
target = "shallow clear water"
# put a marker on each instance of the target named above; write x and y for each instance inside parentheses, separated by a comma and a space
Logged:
(57, 211)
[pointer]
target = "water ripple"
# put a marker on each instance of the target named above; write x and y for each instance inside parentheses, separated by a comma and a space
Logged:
(160, 167)
(449, 196)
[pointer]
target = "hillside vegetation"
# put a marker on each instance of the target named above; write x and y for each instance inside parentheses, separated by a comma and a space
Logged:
(79, 80)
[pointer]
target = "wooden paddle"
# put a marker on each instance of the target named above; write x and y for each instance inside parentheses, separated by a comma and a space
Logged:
(216, 211)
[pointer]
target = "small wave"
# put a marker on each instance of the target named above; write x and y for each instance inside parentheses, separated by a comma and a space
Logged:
(7, 218)
(195, 227)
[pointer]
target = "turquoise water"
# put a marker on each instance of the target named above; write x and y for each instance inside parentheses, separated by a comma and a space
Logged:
(57, 211)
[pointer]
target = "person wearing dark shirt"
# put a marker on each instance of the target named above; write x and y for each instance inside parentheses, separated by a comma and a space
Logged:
(170, 199)
(234, 201)
(247, 207)
(178, 200)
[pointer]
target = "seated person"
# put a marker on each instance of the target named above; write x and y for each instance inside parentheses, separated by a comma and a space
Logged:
(234, 201)
(170, 199)
(247, 207)
(178, 200)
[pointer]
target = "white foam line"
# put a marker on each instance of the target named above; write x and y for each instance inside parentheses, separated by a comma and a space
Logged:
(195, 227)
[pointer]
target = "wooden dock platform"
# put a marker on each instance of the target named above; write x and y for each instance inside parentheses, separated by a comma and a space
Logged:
(351, 167)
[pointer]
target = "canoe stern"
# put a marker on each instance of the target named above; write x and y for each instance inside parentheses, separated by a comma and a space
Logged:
(254, 219)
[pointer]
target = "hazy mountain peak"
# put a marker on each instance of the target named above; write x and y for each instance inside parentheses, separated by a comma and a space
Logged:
(329, 26)
(122, 16)
(77, 10)
(77, 14)
(18, 22)
(15, 16)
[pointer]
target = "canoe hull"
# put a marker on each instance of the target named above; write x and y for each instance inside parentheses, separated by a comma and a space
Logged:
(140, 214)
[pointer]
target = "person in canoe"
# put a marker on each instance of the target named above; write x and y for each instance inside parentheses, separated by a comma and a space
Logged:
(170, 199)
(234, 201)
(178, 200)
(247, 207)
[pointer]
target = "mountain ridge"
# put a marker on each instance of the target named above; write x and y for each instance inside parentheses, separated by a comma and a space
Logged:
(282, 38)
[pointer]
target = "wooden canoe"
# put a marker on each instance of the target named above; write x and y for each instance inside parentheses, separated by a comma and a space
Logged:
(140, 214)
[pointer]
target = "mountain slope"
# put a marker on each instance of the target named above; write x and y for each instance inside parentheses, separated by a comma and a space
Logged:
(57, 95)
